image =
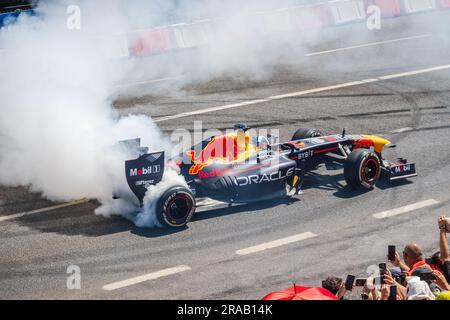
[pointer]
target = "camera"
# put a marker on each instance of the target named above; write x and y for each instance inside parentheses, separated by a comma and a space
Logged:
(360, 282)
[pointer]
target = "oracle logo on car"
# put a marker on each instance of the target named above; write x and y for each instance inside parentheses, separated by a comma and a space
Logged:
(257, 179)
(144, 171)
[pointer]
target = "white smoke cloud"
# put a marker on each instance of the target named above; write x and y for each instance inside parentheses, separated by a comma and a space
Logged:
(57, 124)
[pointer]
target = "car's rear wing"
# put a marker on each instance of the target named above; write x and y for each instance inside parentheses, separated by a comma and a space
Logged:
(146, 170)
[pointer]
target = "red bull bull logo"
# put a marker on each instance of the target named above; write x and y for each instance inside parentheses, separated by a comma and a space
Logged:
(221, 148)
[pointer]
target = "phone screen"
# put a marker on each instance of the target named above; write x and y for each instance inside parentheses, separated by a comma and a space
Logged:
(393, 293)
(382, 267)
(360, 282)
(391, 253)
(349, 282)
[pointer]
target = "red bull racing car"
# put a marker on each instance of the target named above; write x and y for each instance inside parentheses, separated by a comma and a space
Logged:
(236, 168)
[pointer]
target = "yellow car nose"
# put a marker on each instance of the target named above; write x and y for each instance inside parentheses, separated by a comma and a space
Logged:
(378, 142)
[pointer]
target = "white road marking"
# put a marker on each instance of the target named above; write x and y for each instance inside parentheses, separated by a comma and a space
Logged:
(406, 129)
(368, 45)
(213, 109)
(145, 277)
(406, 209)
(276, 243)
(26, 213)
(302, 93)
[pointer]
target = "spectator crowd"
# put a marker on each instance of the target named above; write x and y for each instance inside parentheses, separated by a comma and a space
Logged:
(410, 276)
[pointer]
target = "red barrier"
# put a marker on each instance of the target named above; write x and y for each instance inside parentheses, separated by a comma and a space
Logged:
(389, 8)
(444, 4)
(151, 42)
(315, 16)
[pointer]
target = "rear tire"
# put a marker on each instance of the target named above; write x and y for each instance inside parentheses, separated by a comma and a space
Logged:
(175, 207)
(362, 169)
(305, 133)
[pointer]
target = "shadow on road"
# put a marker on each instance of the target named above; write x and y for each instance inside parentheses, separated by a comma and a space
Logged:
(342, 190)
(265, 204)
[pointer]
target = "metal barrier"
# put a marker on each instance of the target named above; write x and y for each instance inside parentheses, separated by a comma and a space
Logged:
(345, 11)
(388, 8)
(413, 6)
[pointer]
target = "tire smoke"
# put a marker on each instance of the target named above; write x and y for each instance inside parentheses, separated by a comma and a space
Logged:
(58, 129)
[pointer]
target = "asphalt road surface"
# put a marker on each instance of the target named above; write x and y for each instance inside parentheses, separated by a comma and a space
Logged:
(230, 253)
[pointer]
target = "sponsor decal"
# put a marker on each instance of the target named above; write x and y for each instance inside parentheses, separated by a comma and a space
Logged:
(257, 179)
(144, 171)
(145, 183)
(402, 168)
(210, 174)
(305, 155)
(330, 138)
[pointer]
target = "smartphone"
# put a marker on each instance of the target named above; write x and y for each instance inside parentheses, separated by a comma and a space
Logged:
(360, 282)
(391, 253)
(392, 293)
(349, 282)
(383, 268)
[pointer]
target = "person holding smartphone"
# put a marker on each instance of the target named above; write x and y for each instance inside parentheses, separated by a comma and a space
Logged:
(444, 226)
(400, 291)
(412, 257)
(369, 291)
(440, 280)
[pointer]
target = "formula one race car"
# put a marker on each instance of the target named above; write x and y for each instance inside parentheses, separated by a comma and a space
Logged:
(236, 168)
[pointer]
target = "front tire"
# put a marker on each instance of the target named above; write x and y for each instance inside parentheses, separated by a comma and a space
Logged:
(362, 169)
(176, 207)
(305, 133)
